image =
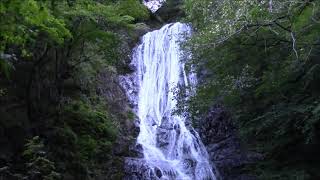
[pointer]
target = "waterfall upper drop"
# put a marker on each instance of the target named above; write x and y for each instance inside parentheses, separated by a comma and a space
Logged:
(171, 148)
(153, 5)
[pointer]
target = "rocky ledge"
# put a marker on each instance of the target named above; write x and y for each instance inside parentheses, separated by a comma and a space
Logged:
(220, 136)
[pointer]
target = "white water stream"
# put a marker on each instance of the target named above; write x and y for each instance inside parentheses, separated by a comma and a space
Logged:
(171, 148)
(153, 5)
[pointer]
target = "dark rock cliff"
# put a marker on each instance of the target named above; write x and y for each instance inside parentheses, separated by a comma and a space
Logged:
(171, 11)
(220, 136)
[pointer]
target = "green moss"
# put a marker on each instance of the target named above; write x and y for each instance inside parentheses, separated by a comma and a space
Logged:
(131, 115)
(134, 9)
(87, 147)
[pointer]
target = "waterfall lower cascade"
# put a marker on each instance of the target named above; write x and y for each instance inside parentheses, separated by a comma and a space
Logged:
(171, 148)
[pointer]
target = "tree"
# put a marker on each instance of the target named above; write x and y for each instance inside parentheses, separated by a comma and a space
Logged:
(259, 59)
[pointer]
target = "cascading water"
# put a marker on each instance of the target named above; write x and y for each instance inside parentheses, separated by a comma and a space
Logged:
(171, 148)
(153, 5)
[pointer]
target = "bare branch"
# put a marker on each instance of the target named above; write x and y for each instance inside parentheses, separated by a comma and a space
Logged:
(294, 45)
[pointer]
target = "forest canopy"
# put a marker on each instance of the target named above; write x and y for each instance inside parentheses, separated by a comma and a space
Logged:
(55, 23)
(260, 59)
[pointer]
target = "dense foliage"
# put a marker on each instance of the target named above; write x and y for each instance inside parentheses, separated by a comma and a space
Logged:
(61, 111)
(260, 59)
(57, 63)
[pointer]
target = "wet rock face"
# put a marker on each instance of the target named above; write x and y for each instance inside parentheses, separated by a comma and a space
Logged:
(221, 139)
(137, 169)
(170, 11)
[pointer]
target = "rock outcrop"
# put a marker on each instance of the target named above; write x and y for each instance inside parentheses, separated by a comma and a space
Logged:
(220, 136)
(171, 11)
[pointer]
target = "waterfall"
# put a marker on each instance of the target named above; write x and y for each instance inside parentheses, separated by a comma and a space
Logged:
(153, 5)
(171, 148)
